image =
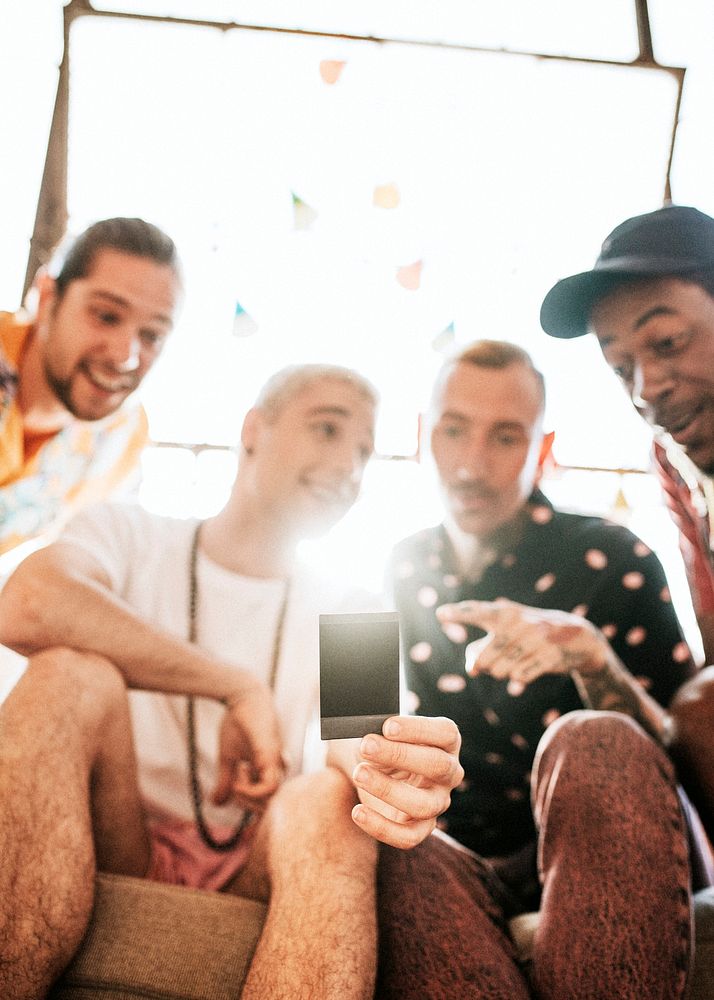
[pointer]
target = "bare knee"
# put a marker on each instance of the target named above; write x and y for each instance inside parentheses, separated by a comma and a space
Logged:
(70, 687)
(322, 803)
(74, 671)
(308, 830)
(328, 791)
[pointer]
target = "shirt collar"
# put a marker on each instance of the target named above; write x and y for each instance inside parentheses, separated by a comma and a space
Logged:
(474, 555)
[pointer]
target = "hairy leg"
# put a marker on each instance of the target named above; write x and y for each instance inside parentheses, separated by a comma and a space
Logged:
(616, 911)
(320, 934)
(64, 729)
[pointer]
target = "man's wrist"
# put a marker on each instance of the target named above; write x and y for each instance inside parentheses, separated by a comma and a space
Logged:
(239, 685)
(595, 658)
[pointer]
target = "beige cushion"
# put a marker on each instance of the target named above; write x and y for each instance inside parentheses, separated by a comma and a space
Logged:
(160, 941)
(147, 940)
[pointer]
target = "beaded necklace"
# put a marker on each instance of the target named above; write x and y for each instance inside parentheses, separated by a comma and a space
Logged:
(196, 797)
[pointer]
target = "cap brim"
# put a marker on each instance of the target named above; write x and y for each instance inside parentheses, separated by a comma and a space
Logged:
(566, 308)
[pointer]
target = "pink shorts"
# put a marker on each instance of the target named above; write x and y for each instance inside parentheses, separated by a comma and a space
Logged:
(180, 857)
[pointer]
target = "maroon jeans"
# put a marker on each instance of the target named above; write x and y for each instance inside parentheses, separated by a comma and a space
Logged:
(615, 914)
(692, 746)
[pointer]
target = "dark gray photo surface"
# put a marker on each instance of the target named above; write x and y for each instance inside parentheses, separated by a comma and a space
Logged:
(359, 673)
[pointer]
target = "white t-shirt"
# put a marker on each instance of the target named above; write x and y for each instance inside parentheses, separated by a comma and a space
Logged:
(146, 558)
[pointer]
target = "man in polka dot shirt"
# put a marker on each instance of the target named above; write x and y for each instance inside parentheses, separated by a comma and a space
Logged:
(514, 617)
(649, 300)
(569, 611)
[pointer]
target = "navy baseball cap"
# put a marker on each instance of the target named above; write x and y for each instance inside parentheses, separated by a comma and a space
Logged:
(671, 241)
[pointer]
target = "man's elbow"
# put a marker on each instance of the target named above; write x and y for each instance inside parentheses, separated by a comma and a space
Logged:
(22, 600)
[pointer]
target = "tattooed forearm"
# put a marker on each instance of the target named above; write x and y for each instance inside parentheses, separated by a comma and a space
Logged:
(614, 689)
(605, 691)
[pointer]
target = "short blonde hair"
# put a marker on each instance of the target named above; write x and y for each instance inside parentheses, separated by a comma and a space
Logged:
(285, 384)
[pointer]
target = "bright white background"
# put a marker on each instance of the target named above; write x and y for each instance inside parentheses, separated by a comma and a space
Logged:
(509, 172)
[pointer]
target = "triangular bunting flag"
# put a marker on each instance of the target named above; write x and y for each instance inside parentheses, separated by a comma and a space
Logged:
(409, 276)
(330, 70)
(243, 323)
(385, 196)
(444, 341)
(303, 214)
(620, 504)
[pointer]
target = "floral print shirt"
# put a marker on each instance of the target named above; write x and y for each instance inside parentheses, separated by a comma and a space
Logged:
(41, 487)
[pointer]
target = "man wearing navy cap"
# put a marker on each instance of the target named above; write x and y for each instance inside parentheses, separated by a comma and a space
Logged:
(649, 299)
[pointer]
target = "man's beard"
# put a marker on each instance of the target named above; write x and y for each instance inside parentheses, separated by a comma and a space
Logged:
(62, 389)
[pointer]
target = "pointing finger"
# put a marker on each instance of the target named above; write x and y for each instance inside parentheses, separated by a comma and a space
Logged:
(485, 614)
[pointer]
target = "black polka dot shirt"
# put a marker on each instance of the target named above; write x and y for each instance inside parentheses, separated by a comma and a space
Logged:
(568, 562)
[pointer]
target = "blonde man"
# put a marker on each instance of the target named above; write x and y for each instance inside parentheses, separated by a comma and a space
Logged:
(154, 643)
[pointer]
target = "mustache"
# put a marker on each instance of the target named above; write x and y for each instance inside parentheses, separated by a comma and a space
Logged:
(672, 419)
(473, 488)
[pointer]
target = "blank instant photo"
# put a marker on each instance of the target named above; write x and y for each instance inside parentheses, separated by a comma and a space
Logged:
(359, 673)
